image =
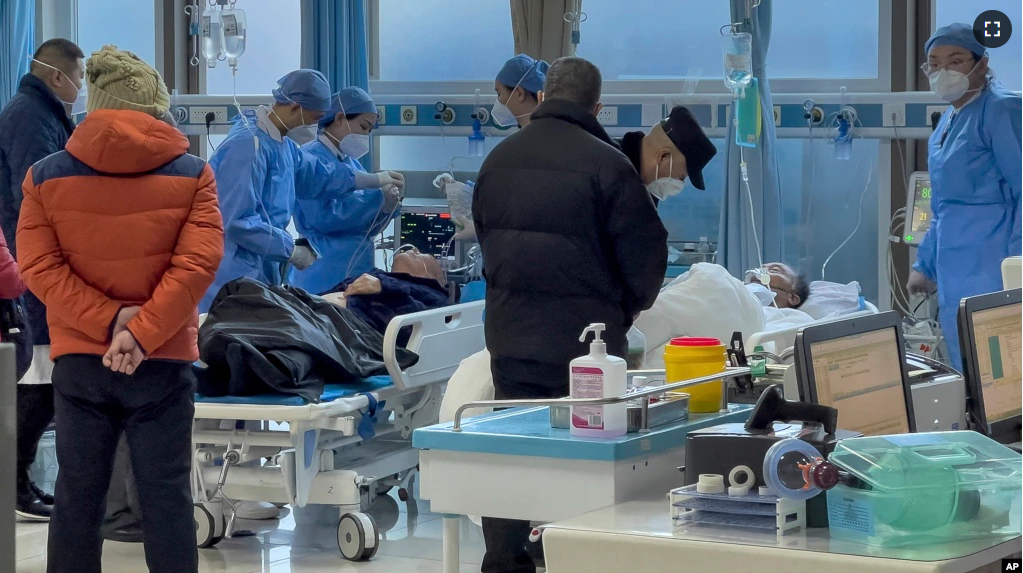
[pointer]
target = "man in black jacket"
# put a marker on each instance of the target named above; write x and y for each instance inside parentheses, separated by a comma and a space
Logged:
(570, 237)
(34, 124)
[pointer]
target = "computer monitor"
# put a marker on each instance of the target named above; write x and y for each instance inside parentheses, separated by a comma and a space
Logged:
(857, 366)
(990, 339)
(918, 208)
(428, 232)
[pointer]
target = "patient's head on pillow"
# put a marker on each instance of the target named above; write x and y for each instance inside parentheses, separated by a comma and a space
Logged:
(417, 264)
(791, 289)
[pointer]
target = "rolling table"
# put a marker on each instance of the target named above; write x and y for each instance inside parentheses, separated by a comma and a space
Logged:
(638, 536)
(512, 464)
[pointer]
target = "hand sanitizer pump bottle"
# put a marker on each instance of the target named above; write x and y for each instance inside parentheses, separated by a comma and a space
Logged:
(598, 375)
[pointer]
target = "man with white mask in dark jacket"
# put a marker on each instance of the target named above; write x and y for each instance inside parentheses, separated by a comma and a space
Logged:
(570, 237)
(35, 123)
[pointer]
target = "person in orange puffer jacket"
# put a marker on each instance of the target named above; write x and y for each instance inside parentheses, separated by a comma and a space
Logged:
(120, 236)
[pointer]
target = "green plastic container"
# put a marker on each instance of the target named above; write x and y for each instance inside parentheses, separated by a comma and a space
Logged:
(918, 489)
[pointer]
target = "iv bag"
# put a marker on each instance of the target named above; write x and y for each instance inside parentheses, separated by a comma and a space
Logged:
(234, 29)
(212, 37)
(738, 55)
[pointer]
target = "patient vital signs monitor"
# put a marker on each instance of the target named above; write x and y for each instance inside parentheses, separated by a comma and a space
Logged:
(429, 232)
(918, 208)
(856, 366)
(990, 338)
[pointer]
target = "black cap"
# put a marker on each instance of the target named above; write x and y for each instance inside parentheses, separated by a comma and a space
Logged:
(688, 137)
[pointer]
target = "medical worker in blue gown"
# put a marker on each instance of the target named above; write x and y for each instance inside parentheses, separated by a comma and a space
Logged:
(974, 161)
(342, 228)
(256, 169)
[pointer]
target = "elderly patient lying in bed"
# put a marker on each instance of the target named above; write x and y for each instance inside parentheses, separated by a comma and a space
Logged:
(416, 283)
(779, 285)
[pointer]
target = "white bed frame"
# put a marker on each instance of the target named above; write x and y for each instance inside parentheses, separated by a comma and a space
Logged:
(317, 456)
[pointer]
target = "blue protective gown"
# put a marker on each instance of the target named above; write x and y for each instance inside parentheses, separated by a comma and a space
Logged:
(976, 189)
(256, 170)
(341, 229)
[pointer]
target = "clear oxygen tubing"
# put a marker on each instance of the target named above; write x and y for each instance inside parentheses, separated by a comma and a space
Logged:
(859, 221)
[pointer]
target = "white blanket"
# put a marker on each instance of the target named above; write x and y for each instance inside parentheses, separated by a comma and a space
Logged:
(704, 301)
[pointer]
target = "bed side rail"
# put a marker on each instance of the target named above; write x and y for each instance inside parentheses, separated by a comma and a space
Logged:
(442, 337)
(777, 341)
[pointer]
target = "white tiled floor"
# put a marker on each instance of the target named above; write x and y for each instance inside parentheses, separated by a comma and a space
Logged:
(305, 541)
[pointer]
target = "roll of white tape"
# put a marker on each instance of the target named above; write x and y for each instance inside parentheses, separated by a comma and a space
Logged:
(737, 491)
(711, 483)
(747, 483)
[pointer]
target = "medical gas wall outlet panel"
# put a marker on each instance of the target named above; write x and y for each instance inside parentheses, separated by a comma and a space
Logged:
(409, 115)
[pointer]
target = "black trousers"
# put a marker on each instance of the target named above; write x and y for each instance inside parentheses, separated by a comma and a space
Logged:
(506, 539)
(154, 409)
(123, 511)
(35, 413)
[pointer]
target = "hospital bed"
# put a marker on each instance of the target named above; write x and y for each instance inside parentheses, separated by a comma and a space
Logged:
(344, 450)
(781, 340)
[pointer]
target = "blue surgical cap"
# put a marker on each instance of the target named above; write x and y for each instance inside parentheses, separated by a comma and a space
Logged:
(307, 88)
(960, 35)
(351, 100)
(524, 71)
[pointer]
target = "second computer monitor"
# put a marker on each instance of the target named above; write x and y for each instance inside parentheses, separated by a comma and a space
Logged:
(857, 366)
(990, 338)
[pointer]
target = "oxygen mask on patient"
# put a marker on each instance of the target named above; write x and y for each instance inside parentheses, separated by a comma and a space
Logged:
(761, 276)
(758, 283)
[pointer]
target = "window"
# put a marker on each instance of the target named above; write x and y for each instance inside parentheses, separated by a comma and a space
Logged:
(1006, 61)
(274, 48)
(842, 40)
(694, 213)
(831, 192)
(101, 22)
(638, 43)
(443, 40)
(431, 153)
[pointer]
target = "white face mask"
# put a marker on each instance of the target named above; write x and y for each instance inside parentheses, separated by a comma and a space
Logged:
(503, 116)
(303, 134)
(77, 106)
(354, 145)
(950, 85)
(665, 187)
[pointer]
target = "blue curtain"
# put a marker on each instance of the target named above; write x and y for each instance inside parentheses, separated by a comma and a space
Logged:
(334, 41)
(737, 246)
(17, 42)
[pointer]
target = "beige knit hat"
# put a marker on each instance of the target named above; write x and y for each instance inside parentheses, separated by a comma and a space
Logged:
(119, 79)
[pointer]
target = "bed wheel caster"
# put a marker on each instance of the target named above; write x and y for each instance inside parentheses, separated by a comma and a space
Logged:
(403, 494)
(206, 527)
(357, 537)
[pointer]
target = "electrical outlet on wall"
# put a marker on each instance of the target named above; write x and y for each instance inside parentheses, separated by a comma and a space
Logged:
(197, 115)
(608, 115)
(932, 109)
(893, 115)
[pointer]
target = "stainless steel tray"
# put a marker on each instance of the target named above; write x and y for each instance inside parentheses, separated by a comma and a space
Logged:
(660, 413)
